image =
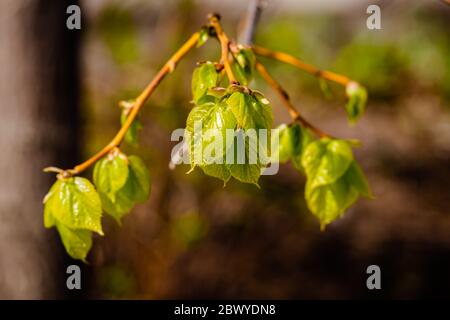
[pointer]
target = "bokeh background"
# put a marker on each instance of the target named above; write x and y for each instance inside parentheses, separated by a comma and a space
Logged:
(194, 238)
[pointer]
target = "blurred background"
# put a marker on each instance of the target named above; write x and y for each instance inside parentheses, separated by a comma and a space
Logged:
(59, 91)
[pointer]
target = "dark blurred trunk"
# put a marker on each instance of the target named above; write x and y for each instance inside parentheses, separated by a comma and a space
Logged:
(38, 127)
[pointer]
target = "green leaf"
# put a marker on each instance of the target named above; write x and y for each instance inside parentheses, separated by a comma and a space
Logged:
(247, 173)
(357, 98)
(135, 189)
(292, 141)
(219, 171)
(356, 178)
(247, 163)
(202, 139)
(209, 151)
(123, 203)
(74, 203)
(204, 77)
(244, 66)
(326, 160)
(131, 137)
(203, 36)
(328, 202)
(250, 111)
(110, 174)
(77, 242)
(138, 184)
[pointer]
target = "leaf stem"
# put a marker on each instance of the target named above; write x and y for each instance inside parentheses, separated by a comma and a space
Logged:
(168, 67)
(296, 116)
(309, 68)
(214, 20)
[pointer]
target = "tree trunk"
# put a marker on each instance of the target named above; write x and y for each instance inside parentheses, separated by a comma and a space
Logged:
(38, 128)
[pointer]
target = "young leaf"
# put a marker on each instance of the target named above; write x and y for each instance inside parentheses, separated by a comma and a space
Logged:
(219, 171)
(131, 137)
(214, 119)
(204, 77)
(357, 98)
(247, 162)
(250, 112)
(110, 174)
(122, 204)
(77, 242)
(203, 36)
(247, 173)
(74, 203)
(244, 66)
(292, 141)
(328, 202)
(356, 178)
(138, 183)
(326, 160)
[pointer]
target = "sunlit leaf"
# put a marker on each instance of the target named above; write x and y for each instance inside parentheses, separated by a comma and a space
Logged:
(74, 202)
(138, 183)
(131, 137)
(110, 174)
(357, 98)
(250, 112)
(326, 160)
(203, 36)
(204, 77)
(77, 242)
(328, 202)
(244, 65)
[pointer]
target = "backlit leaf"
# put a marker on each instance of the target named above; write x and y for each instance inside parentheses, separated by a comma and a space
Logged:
(110, 174)
(77, 242)
(74, 202)
(204, 77)
(131, 137)
(357, 98)
(326, 160)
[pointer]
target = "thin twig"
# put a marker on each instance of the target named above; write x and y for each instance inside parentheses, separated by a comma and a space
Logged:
(296, 116)
(168, 67)
(214, 20)
(287, 58)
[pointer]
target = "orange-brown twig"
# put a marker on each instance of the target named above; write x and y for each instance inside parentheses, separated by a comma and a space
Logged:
(289, 59)
(168, 67)
(214, 20)
(296, 116)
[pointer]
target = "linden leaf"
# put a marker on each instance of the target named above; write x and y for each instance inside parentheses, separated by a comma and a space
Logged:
(131, 137)
(357, 98)
(326, 160)
(110, 174)
(355, 176)
(77, 242)
(203, 36)
(75, 203)
(328, 202)
(244, 66)
(206, 133)
(204, 77)
(251, 112)
(138, 184)
(292, 141)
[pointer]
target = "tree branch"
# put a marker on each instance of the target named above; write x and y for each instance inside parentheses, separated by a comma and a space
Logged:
(287, 58)
(296, 116)
(214, 20)
(168, 67)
